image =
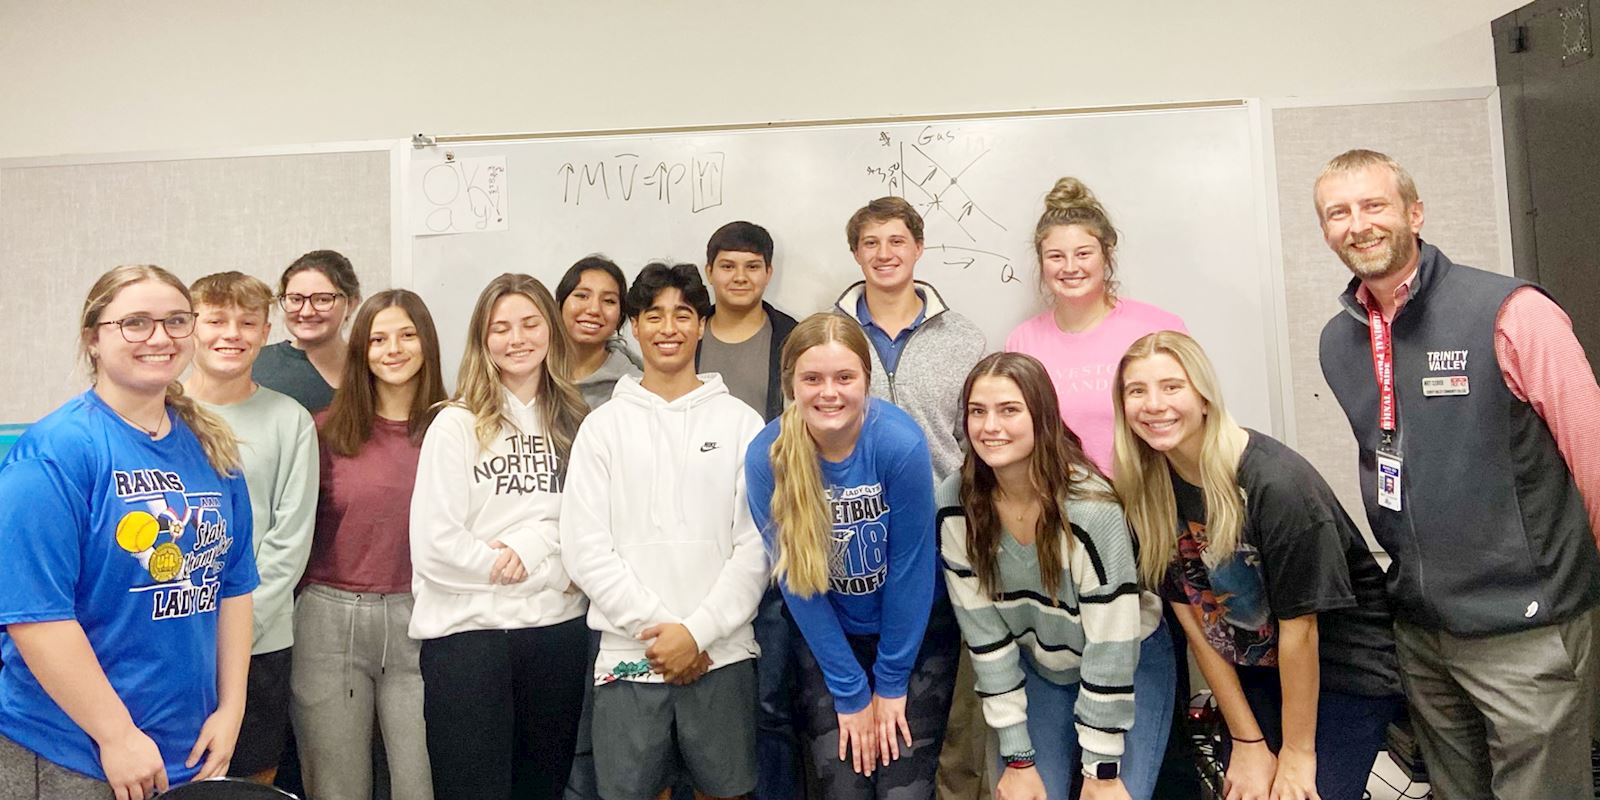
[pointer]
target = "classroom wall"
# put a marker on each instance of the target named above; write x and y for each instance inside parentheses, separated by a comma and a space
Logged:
(96, 77)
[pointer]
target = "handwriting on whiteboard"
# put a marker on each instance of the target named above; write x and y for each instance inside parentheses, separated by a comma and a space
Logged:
(460, 195)
(927, 168)
(695, 181)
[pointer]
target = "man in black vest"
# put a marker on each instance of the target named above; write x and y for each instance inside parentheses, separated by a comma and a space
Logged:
(1477, 420)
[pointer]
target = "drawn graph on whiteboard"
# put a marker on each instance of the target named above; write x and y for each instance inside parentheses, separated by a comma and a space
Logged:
(928, 172)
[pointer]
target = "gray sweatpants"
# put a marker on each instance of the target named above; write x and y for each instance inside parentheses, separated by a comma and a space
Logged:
(1503, 717)
(26, 776)
(352, 662)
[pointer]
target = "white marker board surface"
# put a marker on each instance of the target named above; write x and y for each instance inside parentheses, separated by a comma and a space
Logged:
(1182, 186)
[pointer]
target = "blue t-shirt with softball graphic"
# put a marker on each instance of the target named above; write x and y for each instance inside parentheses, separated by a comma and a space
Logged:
(882, 562)
(138, 541)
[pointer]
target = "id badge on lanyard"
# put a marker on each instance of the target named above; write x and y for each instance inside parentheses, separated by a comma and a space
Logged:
(1390, 462)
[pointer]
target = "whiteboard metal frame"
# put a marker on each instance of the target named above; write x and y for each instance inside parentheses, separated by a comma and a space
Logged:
(422, 141)
(399, 150)
(1283, 380)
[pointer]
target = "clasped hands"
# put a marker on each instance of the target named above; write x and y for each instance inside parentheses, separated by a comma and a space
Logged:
(675, 655)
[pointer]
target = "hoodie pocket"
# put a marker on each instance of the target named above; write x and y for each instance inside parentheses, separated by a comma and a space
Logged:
(678, 572)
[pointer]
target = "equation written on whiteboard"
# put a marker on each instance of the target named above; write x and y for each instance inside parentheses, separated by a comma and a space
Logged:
(460, 195)
(694, 182)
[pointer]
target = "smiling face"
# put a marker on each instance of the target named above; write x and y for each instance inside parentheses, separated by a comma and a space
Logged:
(1367, 223)
(999, 424)
(228, 339)
(830, 388)
(888, 254)
(592, 312)
(1162, 406)
(141, 367)
(668, 332)
(738, 279)
(518, 339)
(394, 349)
(1072, 265)
(308, 326)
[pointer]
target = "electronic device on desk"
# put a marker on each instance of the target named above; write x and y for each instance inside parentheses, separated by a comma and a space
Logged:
(225, 789)
(1401, 742)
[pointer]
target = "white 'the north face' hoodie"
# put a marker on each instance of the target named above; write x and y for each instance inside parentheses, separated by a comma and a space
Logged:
(655, 527)
(467, 497)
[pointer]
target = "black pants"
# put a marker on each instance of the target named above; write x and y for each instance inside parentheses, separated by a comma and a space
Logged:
(928, 698)
(502, 710)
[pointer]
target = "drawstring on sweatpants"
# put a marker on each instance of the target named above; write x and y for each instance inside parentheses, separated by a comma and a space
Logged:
(350, 653)
(383, 661)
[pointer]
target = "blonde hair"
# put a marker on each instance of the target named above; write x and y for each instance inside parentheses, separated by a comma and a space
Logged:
(216, 438)
(799, 502)
(1358, 159)
(1142, 474)
(235, 289)
(478, 387)
(1070, 202)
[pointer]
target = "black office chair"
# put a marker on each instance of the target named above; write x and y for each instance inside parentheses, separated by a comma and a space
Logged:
(226, 789)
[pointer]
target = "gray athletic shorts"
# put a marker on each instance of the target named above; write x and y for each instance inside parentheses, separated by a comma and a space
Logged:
(647, 733)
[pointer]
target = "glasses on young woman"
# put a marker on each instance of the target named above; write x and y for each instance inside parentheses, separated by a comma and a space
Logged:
(321, 301)
(139, 328)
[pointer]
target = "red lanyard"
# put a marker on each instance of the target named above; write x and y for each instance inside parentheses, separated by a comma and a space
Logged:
(1383, 369)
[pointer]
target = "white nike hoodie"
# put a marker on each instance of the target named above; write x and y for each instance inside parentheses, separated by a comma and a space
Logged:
(655, 527)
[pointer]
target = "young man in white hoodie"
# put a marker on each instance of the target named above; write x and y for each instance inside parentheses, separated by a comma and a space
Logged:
(656, 531)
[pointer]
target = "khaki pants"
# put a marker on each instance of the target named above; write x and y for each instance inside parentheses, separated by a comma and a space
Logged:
(1504, 717)
(963, 763)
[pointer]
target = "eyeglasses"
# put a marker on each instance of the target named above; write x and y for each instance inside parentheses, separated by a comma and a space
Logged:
(139, 328)
(321, 301)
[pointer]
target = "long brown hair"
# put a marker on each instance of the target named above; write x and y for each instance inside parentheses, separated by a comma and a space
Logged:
(348, 425)
(478, 387)
(799, 503)
(1144, 478)
(1058, 472)
(216, 438)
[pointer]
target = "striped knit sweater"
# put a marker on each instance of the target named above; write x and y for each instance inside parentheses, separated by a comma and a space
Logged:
(1089, 633)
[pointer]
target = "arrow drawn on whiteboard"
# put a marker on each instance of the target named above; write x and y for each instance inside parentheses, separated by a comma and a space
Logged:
(962, 264)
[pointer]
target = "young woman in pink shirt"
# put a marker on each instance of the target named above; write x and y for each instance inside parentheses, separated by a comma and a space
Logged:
(1084, 333)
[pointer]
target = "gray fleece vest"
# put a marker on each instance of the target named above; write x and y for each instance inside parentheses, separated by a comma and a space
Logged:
(1493, 536)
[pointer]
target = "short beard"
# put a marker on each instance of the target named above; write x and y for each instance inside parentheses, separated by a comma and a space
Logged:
(1384, 263)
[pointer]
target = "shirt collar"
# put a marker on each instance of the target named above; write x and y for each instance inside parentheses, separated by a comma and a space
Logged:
(1402, 293)
(865, 314)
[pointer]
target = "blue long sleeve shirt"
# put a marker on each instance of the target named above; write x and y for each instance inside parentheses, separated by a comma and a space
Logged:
(882, 569)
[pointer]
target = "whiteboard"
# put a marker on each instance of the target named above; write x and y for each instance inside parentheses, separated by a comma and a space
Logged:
(1182, 186)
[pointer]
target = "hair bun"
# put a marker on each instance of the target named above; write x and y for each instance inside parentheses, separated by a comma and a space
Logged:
(1070, 193)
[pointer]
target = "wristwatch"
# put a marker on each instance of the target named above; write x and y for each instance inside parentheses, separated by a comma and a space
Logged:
(1103, 770)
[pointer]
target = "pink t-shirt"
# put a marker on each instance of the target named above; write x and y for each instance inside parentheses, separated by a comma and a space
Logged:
(1083, 365)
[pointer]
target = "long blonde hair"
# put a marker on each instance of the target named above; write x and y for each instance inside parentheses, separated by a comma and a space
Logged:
(799, 502)
(1070, 202)
(216, 438)
(478, 386)
(1144, 481)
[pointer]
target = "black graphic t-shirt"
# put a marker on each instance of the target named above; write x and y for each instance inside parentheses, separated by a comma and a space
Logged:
(1299, 554)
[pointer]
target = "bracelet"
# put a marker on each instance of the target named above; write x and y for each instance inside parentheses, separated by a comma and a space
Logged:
(1022, 760)
(1248, 741)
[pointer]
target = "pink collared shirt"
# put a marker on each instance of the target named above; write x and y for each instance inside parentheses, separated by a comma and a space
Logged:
(1544, 365)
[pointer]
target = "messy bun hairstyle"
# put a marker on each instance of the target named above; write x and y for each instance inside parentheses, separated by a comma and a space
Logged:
(1070, 202)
